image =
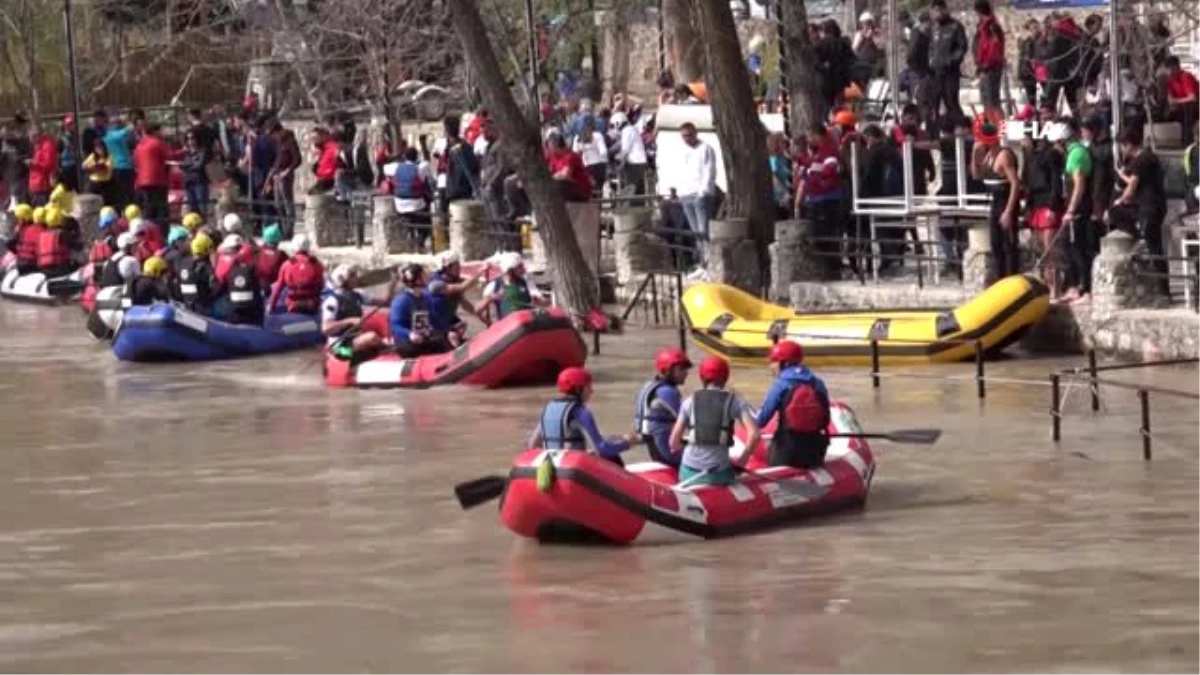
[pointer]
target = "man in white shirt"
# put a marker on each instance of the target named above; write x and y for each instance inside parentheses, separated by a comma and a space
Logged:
(693, 183)
(631, 152)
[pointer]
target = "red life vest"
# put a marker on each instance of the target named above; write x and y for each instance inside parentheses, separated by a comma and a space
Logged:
(267, 265)
(225, 262)
(146, 248)
(806, 410)
(102, 250)
(27, 243)
(51, 252)
(303, 277)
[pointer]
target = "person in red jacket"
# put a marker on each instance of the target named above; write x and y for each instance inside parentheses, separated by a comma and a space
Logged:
(568, 169)
(1183, 90)
(150, 159)
(303, 277)
(989, 57)
(327, 160)
(269, 259)
(43, 167)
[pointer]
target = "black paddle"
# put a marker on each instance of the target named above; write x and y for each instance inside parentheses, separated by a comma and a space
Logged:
(479, 491)
(909, 436)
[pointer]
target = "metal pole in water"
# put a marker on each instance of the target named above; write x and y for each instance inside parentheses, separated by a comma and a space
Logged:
(980, 382)
(1091, 356)
(1055, 411)
(1145, 400)
(875, 364)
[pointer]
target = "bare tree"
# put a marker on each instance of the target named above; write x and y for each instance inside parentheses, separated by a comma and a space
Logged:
(573, 281)
(743, 137)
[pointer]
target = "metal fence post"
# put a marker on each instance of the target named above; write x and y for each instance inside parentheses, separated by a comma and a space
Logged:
(1145, 401)
(1055, 410)
(875, 364)
(980, 382)
(679, 311)
(1094, 378)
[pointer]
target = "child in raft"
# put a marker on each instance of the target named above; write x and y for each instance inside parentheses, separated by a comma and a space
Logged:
(706, 421)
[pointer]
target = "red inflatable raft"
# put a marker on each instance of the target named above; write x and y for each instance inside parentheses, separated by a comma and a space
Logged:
(526, 347)
(592, 499)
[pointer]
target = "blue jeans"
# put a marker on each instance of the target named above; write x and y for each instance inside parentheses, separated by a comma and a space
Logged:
(695, 210)
(197, 197)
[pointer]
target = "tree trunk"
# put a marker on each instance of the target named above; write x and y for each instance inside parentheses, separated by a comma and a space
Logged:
(618, 44)
(574, 284)
(799, 67)
(743, 137)
(686, 54)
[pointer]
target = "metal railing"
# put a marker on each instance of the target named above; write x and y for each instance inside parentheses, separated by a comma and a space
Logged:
(1091, 373)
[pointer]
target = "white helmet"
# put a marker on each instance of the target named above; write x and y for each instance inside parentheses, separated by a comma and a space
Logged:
(447, 258)
(865, 17)
(231, 242)
(231, 223)
(341, 273)
(125, 240)
(301, 243)
(511, 261)
(137, 226)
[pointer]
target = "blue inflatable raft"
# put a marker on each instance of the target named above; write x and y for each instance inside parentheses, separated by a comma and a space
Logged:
(163, 332)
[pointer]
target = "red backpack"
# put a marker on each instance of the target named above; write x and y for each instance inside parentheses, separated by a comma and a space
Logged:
(806, 410)
(989, 44)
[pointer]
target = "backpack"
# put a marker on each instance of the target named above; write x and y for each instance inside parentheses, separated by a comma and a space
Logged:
(806, 410)
(989, 47)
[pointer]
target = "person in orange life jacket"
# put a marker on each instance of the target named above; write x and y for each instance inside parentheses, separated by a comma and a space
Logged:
(270, 258)
(657, 405)
(27, 241)
(449, 290)
(195, 281)
(511, 291)
(302, 276)
(801, 400)
(342, 315)
(416, 329)
(123, 266)
(151, 286)
(706, 421)
(56, 243)
(566, 423)
(239, 291)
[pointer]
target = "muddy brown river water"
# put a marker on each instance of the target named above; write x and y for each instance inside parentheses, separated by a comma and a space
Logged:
(239, 517)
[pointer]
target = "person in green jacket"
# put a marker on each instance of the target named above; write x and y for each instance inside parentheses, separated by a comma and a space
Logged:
(511, 291)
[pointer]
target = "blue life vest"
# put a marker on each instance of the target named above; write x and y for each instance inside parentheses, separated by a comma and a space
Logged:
(644, 413)
(408, 181)
(557, 431)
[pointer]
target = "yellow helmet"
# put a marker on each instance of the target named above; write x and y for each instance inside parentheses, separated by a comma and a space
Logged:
(154, 266)
(23, 212)
(202, 245)
(192, 220)
(132, 211)
(39, 215)
(54, 216)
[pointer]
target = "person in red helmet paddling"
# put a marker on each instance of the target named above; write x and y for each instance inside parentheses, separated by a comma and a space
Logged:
(567, 424)
(706, 421)
(657, 405)
(801, 400)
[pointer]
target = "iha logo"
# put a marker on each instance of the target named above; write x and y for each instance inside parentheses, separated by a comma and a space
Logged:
(1015, 130)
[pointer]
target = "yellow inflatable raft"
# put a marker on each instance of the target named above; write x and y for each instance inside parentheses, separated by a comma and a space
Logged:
(740, 327)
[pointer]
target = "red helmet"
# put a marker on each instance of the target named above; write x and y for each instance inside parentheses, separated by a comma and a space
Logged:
(714, 369)
(669, 357)
(571, 380)
(787, 352)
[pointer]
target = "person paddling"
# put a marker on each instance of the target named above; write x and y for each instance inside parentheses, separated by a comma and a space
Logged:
(449, 289)
(342, 315)
(801, 400)
(566, 422)
(511, 291)
(658, 401)
(706, 421)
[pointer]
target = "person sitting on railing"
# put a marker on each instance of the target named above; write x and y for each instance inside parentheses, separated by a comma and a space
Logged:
(1144, 199)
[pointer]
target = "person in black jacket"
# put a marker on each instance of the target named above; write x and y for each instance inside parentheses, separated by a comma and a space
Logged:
(835, 63)
(461, 165)
(883, 176)
(918, 65)
(195, 174)
(1104, 174)
(1027, 52)
(947, 48)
